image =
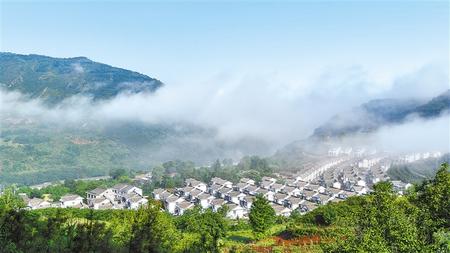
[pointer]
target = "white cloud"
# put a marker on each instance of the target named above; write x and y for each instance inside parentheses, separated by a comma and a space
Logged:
(78, 68)
(277, 111)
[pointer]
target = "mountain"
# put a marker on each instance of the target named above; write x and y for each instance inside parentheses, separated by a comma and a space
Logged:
(435, 106)
(54, 79)
(381, 112)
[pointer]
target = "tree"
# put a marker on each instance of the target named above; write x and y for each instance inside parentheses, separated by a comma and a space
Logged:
(387, 224)
(118, 173)
(216, 166)
(210, 227)
(262, 216)
(152, 230)
(158, 173)
(92, 236)
(433, 200)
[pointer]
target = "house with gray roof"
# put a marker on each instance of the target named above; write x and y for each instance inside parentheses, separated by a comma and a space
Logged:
(71, 200)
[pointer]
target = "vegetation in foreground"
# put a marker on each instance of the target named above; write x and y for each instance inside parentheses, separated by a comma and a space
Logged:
(379, 222)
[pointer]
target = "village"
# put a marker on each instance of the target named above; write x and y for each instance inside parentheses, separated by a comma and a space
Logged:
(332, 179)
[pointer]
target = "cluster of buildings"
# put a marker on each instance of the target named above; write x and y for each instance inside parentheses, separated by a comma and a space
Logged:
(349, 151)
(410, 158)
(120, 196)
(284, 196)
(331, 179)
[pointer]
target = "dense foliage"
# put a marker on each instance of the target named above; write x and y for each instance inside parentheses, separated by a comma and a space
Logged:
(32, 153)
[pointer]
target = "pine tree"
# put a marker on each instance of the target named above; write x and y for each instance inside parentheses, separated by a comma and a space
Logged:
(262, 216)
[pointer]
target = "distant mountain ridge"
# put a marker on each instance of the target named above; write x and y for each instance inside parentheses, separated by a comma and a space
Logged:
(377, 113)
(55, 79)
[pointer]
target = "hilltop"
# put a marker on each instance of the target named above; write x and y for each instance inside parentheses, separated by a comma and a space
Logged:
(374, 114)
(55, 79)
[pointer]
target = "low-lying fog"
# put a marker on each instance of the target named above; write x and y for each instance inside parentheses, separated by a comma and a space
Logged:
(259, 108)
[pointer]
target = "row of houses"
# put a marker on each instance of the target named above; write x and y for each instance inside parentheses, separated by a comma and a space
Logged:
(293, 194)
(359, 152)
(120, 196)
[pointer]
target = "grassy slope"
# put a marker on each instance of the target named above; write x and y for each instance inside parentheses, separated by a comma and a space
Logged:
(35, 154)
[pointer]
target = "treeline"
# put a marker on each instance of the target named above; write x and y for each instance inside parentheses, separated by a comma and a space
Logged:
(379, 222)
(167, 175)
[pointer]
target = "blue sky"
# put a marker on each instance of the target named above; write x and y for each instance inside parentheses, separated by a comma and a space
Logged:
(178, 41)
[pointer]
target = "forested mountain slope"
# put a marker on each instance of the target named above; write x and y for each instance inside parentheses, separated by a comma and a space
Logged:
(54, 79)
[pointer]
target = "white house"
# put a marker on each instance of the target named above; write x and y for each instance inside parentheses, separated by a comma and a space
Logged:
(71, 200)
(336, 185)
(301, 184)
(196, 184)
(251, 190)
(280, 197)
(269, 195)
(360, 190)
(309, 194)
(234, 197)
(292, 202)
(291, 191)
(182, 207)
(334, 192)
(241, 186)
(276, 187)
(281, 210)
(185, 191)
(307, 206)
(216, 204)
(247, 181)
(134, 201)
(223, 192)
(271, 179)
(171, 202)
(121, 191)
(266, 184)
(334, 152)
(214, 188)
(204, 200)
(37, 203)
(101, 203)
(361, 182)
(235, 211)
(247, 201)
(220, 181)
(99, 193)
(291, 182)
(157, 193)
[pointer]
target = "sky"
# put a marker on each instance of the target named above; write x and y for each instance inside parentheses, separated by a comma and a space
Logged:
(180, 41)
(275, 68)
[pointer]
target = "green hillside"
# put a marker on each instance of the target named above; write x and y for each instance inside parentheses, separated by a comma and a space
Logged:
(54, 79)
